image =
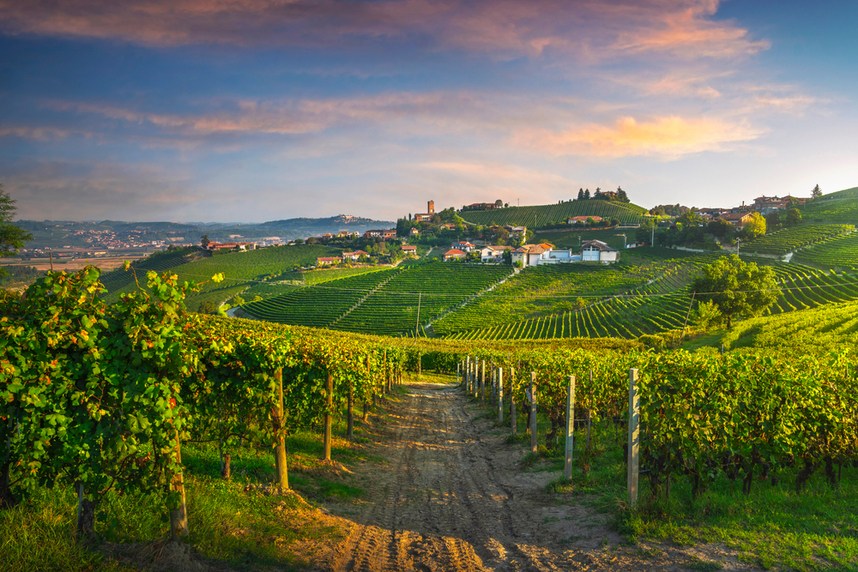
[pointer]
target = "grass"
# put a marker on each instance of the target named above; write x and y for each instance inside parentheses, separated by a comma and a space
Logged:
(234, 523)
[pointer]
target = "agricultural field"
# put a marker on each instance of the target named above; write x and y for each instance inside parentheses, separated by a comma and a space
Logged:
(327, 274)
(241, 271)
(536, 216)
(803, 287)
(815, 331)
(839, 207)
(788, 240)
(842, 253)
(643, 300)
(387, 302)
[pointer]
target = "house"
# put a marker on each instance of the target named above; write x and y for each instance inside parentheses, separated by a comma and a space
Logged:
(354, 255)
(454, 254)
(372, 234)
(237, 246)
(583, 219)
(388, 234)
(737, 219)
(516, 231)
(598, 251)
(483, 206)
(464, 245)
(493, 253)
(427, 216)
(527, 254)
(328, 260)
(413, 232)
(409, 249)
(554, 256)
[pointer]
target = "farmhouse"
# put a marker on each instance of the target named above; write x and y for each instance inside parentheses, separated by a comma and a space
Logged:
(328, 260)
(737, 219)
(409, 249)
(464, 245)
(527, 254)
(454, 254)
(237, 246)
(354, 255)
(598, 251)
(583, 219)
(493, 253)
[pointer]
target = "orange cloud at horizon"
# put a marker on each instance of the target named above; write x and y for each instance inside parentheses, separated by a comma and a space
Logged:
(669, 137)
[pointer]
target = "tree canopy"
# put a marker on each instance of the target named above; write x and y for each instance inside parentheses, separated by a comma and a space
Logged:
(12, 237)
(738, 289)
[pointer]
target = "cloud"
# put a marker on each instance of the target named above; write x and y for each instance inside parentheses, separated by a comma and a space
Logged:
(668, 137)
(590, 29)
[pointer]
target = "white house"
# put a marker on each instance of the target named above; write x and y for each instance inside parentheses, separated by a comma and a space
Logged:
(598, 251)
(493, 253)
(464, 246)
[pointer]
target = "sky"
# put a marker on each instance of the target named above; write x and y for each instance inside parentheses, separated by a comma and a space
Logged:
(257, 110)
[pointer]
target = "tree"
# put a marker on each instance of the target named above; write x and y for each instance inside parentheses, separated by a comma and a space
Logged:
(204, 241)
(506, 255)
(720, 228)
(816, 192)
(587, 195)
(793, 217)
(580, 194)
(621, 195)
(755, 227)
(737, 288)
(12, 237)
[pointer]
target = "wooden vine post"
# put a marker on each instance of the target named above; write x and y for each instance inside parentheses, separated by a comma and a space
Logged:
(570, 424)
(350, 414)
(178, 515)
(634, 437)
(372, 386)
(329, 406)
(483, 385)
(533, 445)
(278, 417)
(500, 395)
(512, 401)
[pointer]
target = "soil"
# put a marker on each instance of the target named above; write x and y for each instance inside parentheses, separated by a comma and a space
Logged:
(453, 496)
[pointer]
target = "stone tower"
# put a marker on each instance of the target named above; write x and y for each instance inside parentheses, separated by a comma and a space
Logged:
(431, 207)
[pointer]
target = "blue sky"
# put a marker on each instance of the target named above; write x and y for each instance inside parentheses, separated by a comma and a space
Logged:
(254, 110)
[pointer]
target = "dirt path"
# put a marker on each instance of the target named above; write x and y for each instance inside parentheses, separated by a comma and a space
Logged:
(452, 498)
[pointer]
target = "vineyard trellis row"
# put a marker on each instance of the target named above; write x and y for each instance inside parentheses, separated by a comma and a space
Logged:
(100, 397)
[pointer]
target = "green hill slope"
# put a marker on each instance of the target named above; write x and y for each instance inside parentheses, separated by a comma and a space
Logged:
(841, 207)
(536, 216)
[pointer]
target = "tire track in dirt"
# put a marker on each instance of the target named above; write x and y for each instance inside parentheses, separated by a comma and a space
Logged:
(453, 498)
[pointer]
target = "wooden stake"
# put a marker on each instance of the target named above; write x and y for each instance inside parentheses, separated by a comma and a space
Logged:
(634, 437)
(533, 445)
(570, 424)
(278, 418)
(329, 405)
(500, 395)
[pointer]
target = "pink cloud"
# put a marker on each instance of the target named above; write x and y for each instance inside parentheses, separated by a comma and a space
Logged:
(590, 29)
(668, 137)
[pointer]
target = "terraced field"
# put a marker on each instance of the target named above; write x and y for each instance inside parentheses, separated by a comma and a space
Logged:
(318, 306)
(536, 216)
(654, 305)
(842, 253)
(386, 302)
(241, 270)
(788, 240)
(804, 287)
(841, 207)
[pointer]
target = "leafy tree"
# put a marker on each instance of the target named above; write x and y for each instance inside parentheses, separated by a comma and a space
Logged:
(755, 227)
(622, 196)
(793, 217)
(204, 241)
(507, 256)
(11, 237)
(720, 228)
(737, 288)
(816, 192)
